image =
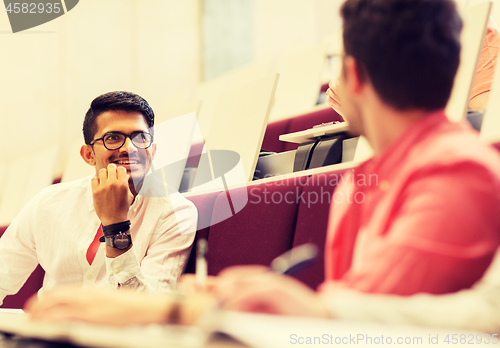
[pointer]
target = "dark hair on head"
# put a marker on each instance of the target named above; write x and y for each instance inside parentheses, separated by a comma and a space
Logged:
(122, 101)
(409, 49)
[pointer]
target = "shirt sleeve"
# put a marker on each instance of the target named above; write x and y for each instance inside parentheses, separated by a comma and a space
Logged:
(444, 224)
(18, 256)
(166, 256)
(471, 309)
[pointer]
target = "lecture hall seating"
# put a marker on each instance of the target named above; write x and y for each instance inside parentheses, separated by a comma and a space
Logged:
(34, 282)
(259, 232)
(262, 230)
(271, 140)
(279, 215)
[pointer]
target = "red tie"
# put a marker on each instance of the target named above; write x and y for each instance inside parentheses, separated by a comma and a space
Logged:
(94, 246)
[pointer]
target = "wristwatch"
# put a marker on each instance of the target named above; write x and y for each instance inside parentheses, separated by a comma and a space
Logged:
(117, 235)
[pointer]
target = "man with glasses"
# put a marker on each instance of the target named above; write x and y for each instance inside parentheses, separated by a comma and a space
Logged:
(104, 231)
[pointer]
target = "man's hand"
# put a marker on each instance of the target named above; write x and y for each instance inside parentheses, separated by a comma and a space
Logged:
(332, 97)
(115, 307)
(98, 306)
(256, 289)
(111, 194)
(187, 283)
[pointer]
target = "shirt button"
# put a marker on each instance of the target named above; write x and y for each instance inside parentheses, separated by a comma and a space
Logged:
(82, 250)
(384, 185)
(89, 277)
(96, 223)
(116, 270)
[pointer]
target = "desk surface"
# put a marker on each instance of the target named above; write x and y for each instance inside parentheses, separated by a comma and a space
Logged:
(254, 330)
(217, 341)
(315, 132)
(17, 331)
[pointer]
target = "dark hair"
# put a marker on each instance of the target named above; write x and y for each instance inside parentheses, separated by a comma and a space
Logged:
(123, 101)
(409, 49)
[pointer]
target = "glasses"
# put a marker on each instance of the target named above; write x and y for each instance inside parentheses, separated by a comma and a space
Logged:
(115, 140)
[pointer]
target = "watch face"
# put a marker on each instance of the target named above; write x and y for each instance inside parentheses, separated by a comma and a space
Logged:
(122, 241)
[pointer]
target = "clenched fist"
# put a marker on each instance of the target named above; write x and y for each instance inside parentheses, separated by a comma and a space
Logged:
(111, 194)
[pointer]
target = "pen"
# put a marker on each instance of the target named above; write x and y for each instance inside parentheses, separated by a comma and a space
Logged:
(293, 260)
(201, 264)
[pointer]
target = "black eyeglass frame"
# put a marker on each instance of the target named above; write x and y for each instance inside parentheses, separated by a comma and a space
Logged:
(129, 135)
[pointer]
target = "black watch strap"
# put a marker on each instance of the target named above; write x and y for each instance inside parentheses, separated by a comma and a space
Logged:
(111, 230)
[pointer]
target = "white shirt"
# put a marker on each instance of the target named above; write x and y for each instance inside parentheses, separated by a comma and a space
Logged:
(57, 226)
(477, 308)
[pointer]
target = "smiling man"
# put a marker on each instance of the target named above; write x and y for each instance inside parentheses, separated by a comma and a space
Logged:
(101, 231)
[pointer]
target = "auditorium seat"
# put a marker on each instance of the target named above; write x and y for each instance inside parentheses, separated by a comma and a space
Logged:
(204, 203)
(497, 145)
(32, 285)
(324, 87)
(262, 230)
(194, 155)
(312, 221)
(271, 140)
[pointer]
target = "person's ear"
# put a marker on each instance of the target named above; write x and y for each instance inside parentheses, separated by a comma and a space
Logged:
(87, 154)
(354, 77)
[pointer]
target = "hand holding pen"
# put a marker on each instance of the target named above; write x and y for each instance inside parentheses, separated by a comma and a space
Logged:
(256, 289)
(288, 263)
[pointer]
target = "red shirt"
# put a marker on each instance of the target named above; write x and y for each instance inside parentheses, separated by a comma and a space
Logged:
(429, 211)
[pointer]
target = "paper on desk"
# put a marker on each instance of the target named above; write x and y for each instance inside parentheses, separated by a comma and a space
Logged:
(11, 310)
(255, 330)
(151, 336)
(272, 331)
